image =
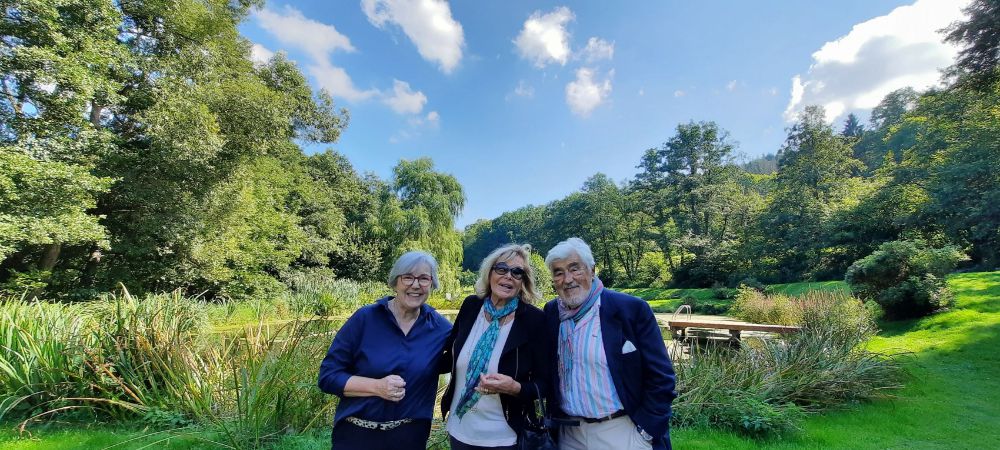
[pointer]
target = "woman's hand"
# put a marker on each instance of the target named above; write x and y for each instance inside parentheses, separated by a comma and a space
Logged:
(498, 383)
(391, 388)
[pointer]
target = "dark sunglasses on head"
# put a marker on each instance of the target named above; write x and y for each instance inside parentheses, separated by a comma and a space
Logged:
(516, 272)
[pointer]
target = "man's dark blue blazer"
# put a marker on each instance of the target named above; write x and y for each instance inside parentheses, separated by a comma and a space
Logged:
(644, 379)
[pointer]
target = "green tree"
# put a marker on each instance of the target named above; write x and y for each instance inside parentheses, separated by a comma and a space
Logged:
(816, 178)
(698, 201)
(852, 127)
(43, 206)
(980, 38)
(163, 99)
(429, 201)
(888, 132)
(952, 164)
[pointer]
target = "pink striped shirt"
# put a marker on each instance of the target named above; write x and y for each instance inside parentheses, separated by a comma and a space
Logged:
(587, 388)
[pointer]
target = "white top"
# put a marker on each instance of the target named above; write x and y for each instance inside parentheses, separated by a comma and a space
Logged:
(483, 425)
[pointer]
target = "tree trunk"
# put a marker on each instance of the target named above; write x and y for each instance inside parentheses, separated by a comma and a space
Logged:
(95, 114)
(50, 256)
(90, 270)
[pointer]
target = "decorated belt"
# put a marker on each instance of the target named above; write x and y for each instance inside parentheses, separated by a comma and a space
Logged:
(381, 426)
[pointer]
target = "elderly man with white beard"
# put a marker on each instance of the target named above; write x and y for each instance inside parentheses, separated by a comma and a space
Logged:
(613, 379)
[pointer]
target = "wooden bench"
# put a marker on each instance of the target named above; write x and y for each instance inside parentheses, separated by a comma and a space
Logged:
(678, 328)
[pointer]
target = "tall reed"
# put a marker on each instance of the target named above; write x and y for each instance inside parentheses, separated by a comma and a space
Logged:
(156, 361)
(765, 386)
(42, 350)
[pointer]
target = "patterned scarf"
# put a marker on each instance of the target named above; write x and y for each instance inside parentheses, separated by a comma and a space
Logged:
(568, 317)
(481, 355)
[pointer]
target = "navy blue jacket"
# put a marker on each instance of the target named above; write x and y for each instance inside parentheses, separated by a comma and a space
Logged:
(644, 379)
(524, 358)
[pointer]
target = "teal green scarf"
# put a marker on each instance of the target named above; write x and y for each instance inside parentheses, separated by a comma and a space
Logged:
(481, 355)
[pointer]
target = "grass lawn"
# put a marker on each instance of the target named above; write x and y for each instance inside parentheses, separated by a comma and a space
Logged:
(112, 437)
(667, 300)
(951, 399)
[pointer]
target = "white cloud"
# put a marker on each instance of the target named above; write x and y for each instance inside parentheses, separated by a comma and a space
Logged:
(544, 39)
(900, 49)
(584, 94)
(523, 89)
(433, 118)
(317, 40)
(404, 100)
(731, 86)
(597, 49)
(416, 126)
(293, 29)
(679, 93)
(260, 55)
(428, 24)
(336, 81)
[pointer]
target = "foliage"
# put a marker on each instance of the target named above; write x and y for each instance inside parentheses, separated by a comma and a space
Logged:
(140, 144)
(155, 359)
(543, 278)
(764, 387)
(698, 200)
(751, 283)
(754, 306)
(45, 201)
(653, 271)
(318, 292)
(980, 38)
(816, 178)
(905, 277)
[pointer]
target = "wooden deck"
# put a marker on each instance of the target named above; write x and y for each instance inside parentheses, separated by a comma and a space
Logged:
(679, 328)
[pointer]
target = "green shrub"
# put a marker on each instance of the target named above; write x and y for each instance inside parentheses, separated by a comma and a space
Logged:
(41, 355)
(543, 277)
(906, 278)
(653, 271)
(763, 388)
(318, 292)
(28, 284)
(721, 292)
(467, 278)
(753, 306)
(711, 309)
(752, 283)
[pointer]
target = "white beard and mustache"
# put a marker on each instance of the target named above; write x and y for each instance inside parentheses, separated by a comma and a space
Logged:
(576, 300)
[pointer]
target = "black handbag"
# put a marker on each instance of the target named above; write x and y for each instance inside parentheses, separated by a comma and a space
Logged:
(536, 434)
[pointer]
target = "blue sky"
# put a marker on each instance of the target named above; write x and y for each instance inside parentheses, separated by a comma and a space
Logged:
(523, 101)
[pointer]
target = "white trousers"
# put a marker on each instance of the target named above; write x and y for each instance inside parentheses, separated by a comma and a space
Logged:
(614, 434)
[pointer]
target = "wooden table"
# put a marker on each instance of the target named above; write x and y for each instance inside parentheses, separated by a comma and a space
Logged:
(678, 328)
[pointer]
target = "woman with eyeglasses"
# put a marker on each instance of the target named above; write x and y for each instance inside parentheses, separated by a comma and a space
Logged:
(498, 360)
(382, 364)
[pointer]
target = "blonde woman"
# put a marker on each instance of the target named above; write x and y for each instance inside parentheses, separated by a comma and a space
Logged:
(498, 359)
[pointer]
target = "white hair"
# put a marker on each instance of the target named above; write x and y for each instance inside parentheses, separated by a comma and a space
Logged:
(566, 248)
(409, 261)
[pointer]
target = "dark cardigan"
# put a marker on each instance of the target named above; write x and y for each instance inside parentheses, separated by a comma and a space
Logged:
(524, 358)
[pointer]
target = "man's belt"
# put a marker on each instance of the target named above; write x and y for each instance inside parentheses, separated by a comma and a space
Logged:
(381, 426)
(574, 421)
(614, 415)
